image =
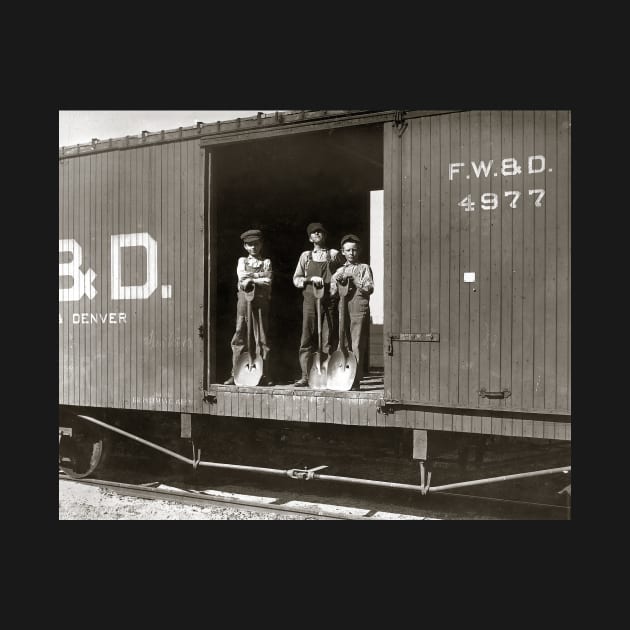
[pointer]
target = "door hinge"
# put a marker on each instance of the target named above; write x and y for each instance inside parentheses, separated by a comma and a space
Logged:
(399, 122)
(202, 331)
(428, 336)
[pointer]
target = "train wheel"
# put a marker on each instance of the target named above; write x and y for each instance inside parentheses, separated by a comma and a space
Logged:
(81, 454)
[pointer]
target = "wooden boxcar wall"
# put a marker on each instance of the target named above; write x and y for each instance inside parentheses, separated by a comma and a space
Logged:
(142, 350)
(510, 328)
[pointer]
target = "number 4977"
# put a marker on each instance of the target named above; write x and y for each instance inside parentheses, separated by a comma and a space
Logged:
(490, 201)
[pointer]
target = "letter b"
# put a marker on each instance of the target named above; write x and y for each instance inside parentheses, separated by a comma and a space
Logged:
(81, 282)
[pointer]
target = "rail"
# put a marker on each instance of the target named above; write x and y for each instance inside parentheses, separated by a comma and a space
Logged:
(199, 499)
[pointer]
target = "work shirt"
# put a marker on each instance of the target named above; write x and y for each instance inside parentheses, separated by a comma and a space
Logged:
(361, 275)
(254, 267)
(318, 256)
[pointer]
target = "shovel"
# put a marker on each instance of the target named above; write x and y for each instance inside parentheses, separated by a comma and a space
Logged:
(317, 376)
(342, 365)
(249, 367)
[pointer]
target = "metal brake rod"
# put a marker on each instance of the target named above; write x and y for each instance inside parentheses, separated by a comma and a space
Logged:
(181, 458)
(477, 482)
(292, 473)
(369, 482)
(311, 474)
(406, 486)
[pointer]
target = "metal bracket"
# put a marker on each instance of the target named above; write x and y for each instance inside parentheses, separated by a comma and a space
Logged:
(209, 398)
(306, 474)
(399, 122)
(195, 460)
(63, 432)
(506, 393)
(383, 405)
(427, 337)
(424, 486)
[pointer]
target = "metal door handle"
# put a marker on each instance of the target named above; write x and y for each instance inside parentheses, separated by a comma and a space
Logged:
(506, 393)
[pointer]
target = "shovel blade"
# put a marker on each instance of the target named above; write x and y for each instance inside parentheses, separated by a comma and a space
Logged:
(248, 370)
(317, 376)
(342, 368)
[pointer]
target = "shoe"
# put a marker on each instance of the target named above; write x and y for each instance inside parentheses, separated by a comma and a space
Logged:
(266, 382)
(303, 382)
(230, 381)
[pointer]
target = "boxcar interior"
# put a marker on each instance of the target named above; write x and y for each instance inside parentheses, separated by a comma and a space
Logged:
(279, 185)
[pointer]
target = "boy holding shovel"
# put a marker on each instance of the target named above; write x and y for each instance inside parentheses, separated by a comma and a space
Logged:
(315, 268)
(253, 271)
(360, 282)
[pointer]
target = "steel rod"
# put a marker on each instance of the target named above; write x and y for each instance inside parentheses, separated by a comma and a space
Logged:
(478, 482)
(272, 471)
(354, 480)
(368, 482)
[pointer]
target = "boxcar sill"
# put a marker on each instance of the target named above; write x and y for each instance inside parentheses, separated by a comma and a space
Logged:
(290, 390)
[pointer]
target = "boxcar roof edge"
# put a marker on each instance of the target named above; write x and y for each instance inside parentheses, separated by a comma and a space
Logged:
(232, 127)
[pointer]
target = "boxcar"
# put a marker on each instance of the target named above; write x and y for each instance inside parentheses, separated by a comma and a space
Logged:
(465, 217)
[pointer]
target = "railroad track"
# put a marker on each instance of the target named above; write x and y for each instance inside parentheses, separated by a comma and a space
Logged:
(155, 491)
(443, 506)
(555, 507)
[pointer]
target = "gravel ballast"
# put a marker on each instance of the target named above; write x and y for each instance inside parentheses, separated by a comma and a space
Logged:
(79, 501)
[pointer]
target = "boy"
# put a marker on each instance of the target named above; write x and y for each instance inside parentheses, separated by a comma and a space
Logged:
(361, 286)
(315, 268)
(252, 270)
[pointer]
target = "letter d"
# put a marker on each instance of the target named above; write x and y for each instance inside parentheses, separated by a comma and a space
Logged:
(133, 292)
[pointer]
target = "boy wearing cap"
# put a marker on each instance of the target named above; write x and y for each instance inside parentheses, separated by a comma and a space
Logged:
(360, 287)
(252, 270)
(315, 268)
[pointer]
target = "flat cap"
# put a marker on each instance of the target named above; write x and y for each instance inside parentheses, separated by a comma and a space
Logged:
(312, 227)
(350, 237)
(251, 235)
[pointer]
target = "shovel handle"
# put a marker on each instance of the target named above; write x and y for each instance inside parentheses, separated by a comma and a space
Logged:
(318, 307)
(250, 331)
(319, 294)
(342, 289)
(342, 320)
(250, 294)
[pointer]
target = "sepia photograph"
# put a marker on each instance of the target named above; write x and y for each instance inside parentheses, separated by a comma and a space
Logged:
(315, 314)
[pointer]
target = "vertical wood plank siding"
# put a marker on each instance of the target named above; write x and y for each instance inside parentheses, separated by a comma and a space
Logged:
(149, 359)
(510, 328)
(359, 409)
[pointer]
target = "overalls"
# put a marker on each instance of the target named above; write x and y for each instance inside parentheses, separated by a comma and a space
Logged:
(357, 321)
(260, 322)
(308, 342)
